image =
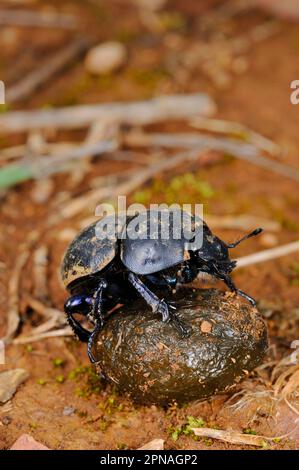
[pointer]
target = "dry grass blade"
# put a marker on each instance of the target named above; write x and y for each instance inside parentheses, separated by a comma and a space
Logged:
(234, 437)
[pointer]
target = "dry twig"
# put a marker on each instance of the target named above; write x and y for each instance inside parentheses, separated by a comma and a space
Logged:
(234, 437)
(267, 255)
(236, 129)
(13, 318)
(40, 265)
(50, 334)
(173, 107)
(238, 149)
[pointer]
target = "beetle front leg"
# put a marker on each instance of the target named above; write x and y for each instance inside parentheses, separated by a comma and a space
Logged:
(229, 282)
(81, 304)
(157, 305)
(97, 317)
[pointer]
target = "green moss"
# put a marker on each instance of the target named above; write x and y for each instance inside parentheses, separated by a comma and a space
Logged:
(250, 431)
(122, 446)
(208, 442)
(60, 379)
(175, 433)
(186, 188)
(91, 383)
(81, 414)
(148, 78)
(295, 273)
(28, 348)
(41, 381)
(4, 108)
(125, 36)
(172, 21)
(103, 424)
(58, 362)
(186, 428)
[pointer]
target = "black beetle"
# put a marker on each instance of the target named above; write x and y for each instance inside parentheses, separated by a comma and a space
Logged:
(100, 272)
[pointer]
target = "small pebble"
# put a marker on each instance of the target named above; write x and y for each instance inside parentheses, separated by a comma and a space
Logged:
(68, 411)
(26, 442)
(105, 58)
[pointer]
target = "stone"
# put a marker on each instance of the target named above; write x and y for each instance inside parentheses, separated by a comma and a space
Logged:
(26, 442)
(105, 58)
(9, 382)
(148, 359)
(155, 444)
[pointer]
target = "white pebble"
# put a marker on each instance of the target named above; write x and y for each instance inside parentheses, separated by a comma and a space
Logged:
(105, 58)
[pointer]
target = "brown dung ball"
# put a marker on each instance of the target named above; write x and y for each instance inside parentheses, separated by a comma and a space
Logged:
(149, 360)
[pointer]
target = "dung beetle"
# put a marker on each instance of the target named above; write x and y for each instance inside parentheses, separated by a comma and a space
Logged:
(103, 271)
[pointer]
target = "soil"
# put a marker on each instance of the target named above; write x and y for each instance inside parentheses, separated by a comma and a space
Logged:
(63, 404)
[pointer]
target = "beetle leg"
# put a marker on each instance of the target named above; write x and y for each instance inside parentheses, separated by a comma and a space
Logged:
(81, 333)
(229, 282)
(157, 305)
(97, 317)
(78, 304)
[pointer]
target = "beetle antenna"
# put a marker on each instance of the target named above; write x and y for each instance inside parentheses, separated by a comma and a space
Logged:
(249, 235)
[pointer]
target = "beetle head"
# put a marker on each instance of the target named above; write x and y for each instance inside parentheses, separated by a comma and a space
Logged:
(215, 253)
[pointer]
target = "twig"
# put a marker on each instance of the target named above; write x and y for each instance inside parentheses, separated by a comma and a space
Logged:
(18, 151)
(34, 80)
(158, 109)
(234, 437)
(240, 150)
(13, 318)
(51, 334)
(237, 130)
(44, 310)
(37, 19)
(190, 140)
(267, 255)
